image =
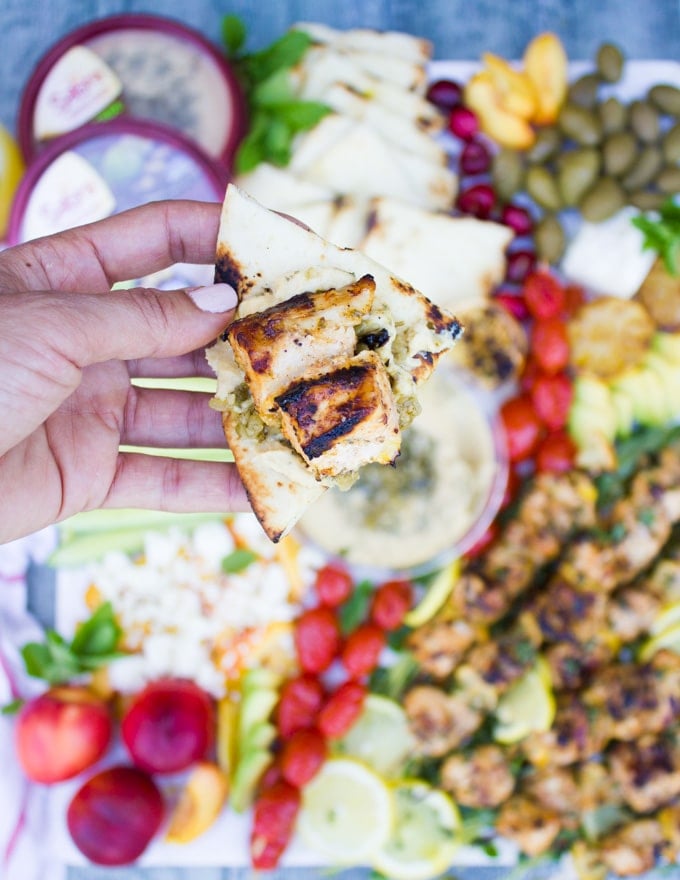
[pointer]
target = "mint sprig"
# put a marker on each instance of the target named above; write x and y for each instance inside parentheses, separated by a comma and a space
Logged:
(276, 114)
(662, 234)
(95, 644)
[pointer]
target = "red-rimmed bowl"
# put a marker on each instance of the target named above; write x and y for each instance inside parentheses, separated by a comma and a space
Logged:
(105, 168)
(435, 504)
(170, 74)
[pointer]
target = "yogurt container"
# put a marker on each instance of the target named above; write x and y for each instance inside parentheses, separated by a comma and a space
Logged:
(141, 66)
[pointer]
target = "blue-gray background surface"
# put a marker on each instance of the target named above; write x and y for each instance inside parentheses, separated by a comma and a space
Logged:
(460, 29)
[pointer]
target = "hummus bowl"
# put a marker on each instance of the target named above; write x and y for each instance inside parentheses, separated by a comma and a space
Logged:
(434, 503)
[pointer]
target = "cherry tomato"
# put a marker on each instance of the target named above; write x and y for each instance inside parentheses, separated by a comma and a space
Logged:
(552, 396)
(523, 428)
(342, 709)
(556, 453)
(390, 603)
(530, 373)
(574, 297)
(484, 541)
(333, 585)
(317, 639)
(362, 649)
(302, 756)
(543, 295)
(550, 344)
(274, 814)
(300, 701)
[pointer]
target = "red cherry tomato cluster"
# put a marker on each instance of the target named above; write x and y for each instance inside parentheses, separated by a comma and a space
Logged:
(477, 196)
(310, 713)
(535, 420)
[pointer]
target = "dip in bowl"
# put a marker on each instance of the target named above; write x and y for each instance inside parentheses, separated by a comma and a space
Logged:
(443, 492)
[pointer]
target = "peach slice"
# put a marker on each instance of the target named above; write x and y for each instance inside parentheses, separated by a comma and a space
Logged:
(199, 805)
(515, 89)
(503, 127)
(545, 63)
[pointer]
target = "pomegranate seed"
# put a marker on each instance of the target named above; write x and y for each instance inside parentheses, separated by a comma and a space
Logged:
(477, 200)
(512, 303)
(445, 94)
(474, 158)
(518, 219)
(463, 123)
(520, 263)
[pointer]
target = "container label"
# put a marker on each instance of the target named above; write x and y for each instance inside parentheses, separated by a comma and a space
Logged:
(70, 192)
(78, 88)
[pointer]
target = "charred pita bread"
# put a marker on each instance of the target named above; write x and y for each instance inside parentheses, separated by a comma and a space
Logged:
(318, 373)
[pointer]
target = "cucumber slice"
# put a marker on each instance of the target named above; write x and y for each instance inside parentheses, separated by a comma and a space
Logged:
(248, 772)
(667, 345)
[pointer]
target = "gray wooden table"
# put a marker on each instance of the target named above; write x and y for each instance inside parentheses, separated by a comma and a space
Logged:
(459, 29)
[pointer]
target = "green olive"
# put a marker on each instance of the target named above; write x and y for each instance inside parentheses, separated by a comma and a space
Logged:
(646, 199)
(577, 172)
(542, 187)
(546, 146)
(670, 144)
(580, 124)
(613, 115)
(583, 91)
(666, 99)
(603, 200)
(507, 172)
(644, 120)
(644, 169)
(549, 239)
(619, 151)
(668, 180)
(609, 60)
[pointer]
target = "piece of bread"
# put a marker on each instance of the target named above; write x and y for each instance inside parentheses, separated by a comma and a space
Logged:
(318, 373)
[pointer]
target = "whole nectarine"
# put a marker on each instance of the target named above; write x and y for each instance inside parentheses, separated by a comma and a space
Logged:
(114, 815)
(61, 733)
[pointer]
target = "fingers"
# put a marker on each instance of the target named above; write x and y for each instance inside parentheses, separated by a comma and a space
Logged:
(180, 419)
(128, 245)
(156, 483)
(123, 325)
(180, 367)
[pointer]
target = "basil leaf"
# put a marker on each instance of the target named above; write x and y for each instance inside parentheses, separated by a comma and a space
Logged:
(98, 635)
(277, 142)
(13, 707)
(37, 658)
(233, 34)
(302, 115)
(238, 561)
(662, 234)
(273, 91)
(284, 52)
(252, 149)
(355, 610)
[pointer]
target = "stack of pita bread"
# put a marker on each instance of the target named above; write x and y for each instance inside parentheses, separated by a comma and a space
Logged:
(375, 173)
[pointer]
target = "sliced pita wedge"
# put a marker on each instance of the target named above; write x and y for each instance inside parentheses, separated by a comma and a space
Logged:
(280, 190)
(406, 46)
(318, 373)
(455, 261)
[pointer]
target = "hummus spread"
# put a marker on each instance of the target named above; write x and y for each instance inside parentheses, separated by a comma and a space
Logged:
(444, 482)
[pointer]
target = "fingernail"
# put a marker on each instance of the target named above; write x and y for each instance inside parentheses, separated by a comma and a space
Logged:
(217, 298)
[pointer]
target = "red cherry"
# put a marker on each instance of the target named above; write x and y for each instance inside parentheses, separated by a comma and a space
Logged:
(474, 158)
(477, 200)
(445, 94)
(519, 265)
(518, 219)
(463, 123)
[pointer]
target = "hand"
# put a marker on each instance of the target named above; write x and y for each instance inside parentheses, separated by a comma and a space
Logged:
(68, 349)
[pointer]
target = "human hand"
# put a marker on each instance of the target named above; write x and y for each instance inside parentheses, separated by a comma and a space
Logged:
(68, 349)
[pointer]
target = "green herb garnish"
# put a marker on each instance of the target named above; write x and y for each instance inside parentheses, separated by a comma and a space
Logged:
(276, 114)
(238, 561)
(355, 610)
(662, 233)
(95, 644)
(12, 708)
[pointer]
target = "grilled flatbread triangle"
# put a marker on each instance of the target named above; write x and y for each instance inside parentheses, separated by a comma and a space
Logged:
(318, 373)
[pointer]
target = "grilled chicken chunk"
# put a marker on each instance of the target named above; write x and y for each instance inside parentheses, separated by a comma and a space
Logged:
(344, 417)
(294, 338)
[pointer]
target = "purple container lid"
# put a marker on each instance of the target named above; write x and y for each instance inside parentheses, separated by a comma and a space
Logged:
(236, 112)
(200, 176)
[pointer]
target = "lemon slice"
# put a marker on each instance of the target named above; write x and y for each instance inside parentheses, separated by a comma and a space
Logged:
(668, 638)
(437, 593)
(381, 736)
(667, 617)
(528, 706)
(347, 812)
(425, 836)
